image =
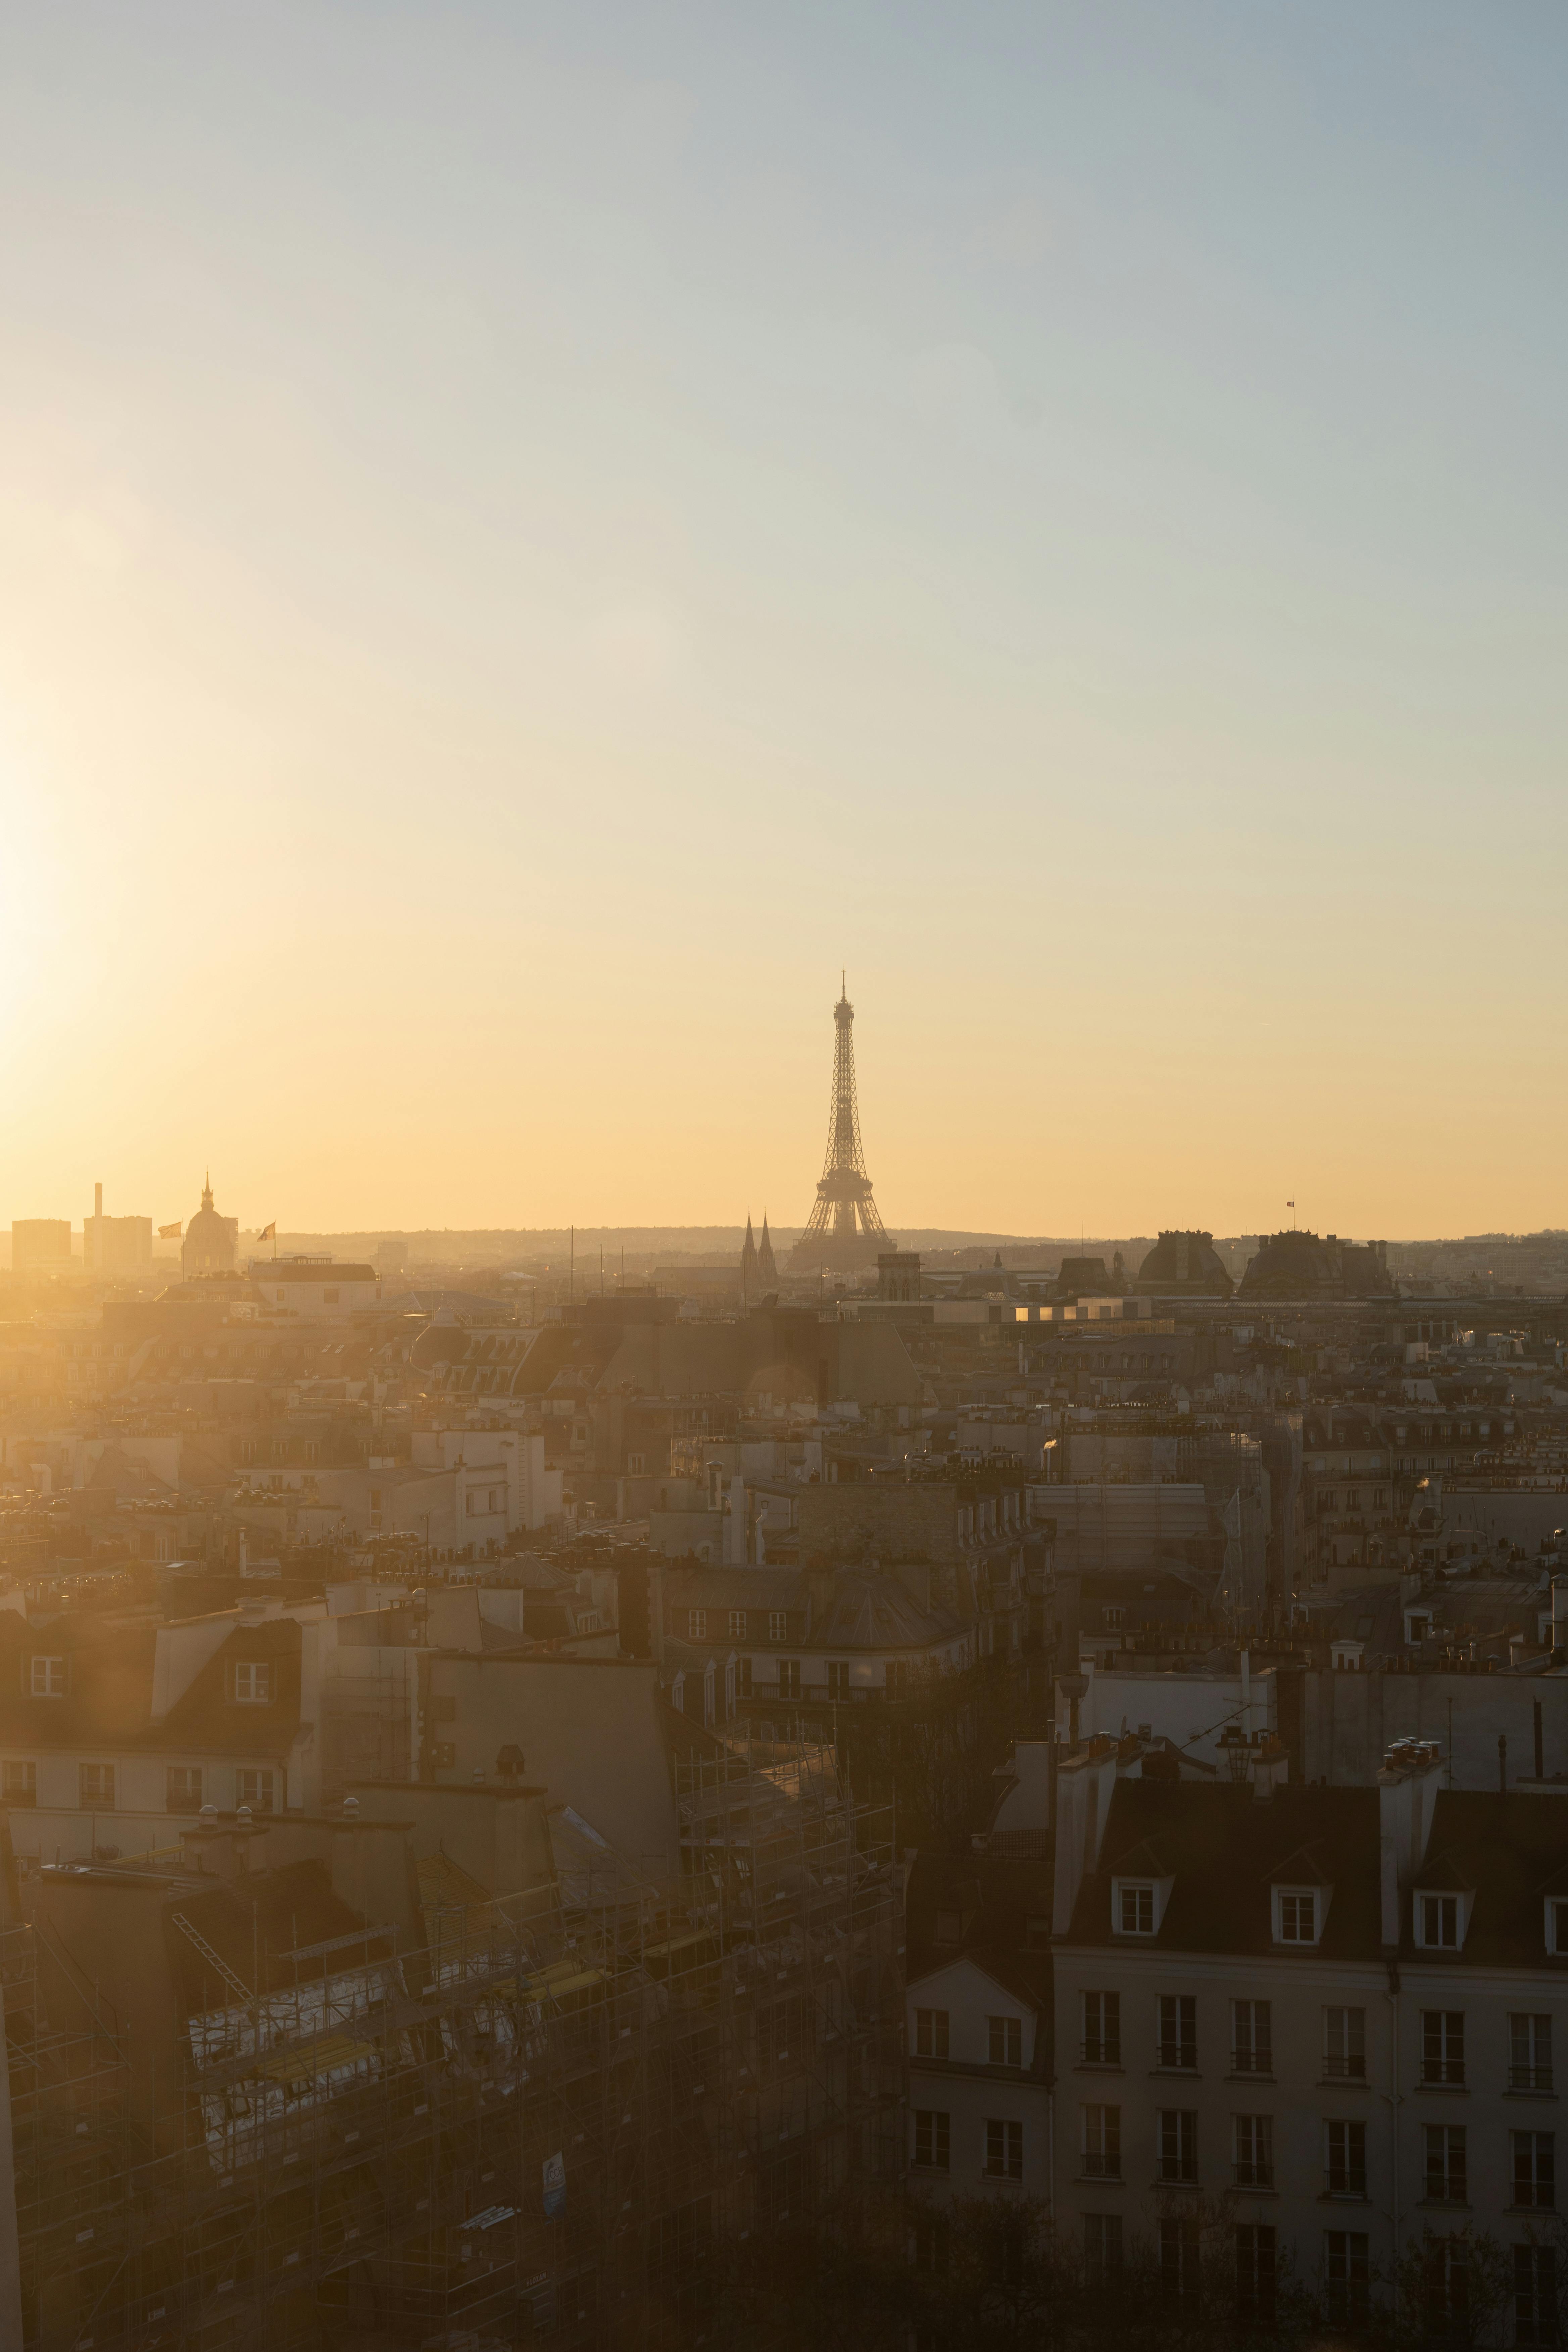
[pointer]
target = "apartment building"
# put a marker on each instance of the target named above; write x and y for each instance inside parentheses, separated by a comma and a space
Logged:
(1328, 2014)
(978, 2031)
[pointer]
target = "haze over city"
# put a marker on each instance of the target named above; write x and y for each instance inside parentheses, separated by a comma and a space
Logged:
(528, 538)
(784, 1260)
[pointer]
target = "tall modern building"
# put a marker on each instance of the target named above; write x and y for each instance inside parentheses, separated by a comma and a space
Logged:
(115, 1244)
(40, 1243)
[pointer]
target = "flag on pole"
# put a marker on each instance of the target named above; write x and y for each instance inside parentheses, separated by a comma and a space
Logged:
(268, 1233)
(171, 1233)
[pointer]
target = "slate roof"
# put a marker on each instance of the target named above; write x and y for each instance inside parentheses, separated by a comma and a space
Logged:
(109, 1692)
(998, 1898)
(1224, 1851)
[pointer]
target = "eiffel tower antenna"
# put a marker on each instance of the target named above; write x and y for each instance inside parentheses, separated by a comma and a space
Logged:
(845, 1230)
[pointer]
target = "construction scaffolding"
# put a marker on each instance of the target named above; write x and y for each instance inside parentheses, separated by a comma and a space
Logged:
(557, 2118)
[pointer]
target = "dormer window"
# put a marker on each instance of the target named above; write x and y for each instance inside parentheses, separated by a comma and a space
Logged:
(46, 1677)
(1135, 1908)
(252, 1682)
(1298, 1913)
(1439, 1922)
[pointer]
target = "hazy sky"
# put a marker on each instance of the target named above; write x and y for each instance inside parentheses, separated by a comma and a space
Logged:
(530, 536)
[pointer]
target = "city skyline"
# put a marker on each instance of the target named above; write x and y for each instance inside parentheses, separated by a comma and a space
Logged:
(527, 541)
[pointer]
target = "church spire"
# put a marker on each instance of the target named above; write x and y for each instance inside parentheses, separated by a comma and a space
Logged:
(767, 1271)
(749, 1261)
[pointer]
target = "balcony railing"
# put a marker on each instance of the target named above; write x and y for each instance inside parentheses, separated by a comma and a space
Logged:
(1530, 2078)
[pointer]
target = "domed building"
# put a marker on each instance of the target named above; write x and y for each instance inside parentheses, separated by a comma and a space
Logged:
(1185, 1265)
(211, 1245)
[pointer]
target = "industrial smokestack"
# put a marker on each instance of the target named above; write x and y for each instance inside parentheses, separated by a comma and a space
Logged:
(98, 1200)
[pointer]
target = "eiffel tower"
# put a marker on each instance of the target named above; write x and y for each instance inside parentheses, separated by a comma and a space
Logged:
(845, 1231)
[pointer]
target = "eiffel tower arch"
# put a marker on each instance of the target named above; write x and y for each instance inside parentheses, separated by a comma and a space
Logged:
(845, 1231)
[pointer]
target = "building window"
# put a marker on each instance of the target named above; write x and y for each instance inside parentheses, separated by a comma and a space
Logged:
(253, 1787)
(1437, 1922)
(1535, 2295)
(1102, 2029)
(1347, 2274)
(636, 1465)
(1445, 2287)
(744, 1678)
(1178, 2043)
(1253, 2156)
(837, 1678)
(1443, 2046)
(329, 1295)
(1534, 2169)
(1257, 2268)
(252, 1682)
(1179, 2257)
(183, 1788)
(1251, 2037)
(789, 1678)
(1530, 2052)
(1557, 1926)
(1296, 1916)
(1134, 1910)
(931, 2032)
(1344, 2046)
(931, 2140)
(1003, 2149)
(932, 2243)
(95, 1786)
(46, 1677)
(697, 1624)
(1446, 2172)
(1005, 2040)
(896, 1677)
(1101, 2143)
(737, 1624)
(1178, 2143)
(1101, 2249)
(1344, 2158)
(21, 1784)
(778, 1625)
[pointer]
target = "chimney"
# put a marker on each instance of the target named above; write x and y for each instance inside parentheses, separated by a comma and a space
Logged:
(1559, 1613)
(656, 1607)
(1406, 1798)
(1271, 1767)
(1086, 1783)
